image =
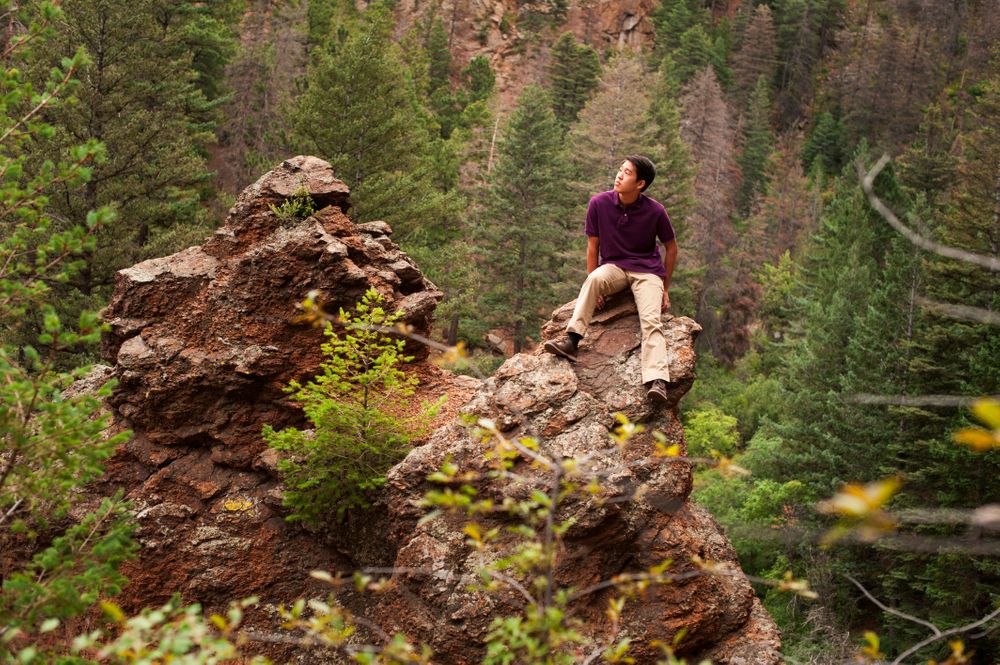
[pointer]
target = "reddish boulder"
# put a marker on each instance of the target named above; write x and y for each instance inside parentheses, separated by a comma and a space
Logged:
(570, 408)
(204, 341)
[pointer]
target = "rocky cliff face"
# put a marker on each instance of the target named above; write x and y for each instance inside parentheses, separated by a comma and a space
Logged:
(515, 35)
(203, 341)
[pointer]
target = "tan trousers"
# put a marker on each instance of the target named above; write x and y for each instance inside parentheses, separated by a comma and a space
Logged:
(647, 289)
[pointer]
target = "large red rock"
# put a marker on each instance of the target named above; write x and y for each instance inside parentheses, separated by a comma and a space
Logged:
(645, 517)
(202, 343)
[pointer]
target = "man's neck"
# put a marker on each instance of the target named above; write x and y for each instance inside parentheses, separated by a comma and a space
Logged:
(627, 199)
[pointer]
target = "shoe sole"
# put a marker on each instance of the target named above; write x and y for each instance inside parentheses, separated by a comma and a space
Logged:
(552, 348)
(656, 396)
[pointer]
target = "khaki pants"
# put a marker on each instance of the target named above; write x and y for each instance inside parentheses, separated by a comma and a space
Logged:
(647, 289)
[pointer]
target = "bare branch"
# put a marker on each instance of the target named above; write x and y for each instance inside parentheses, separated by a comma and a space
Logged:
(867, 181)
(914, 400)
(449, 577)
(349, 650)
(10, 512)
(372, 626)
(595, 654)
(527, 452)
(929, 545)
(890, 610)
(984, 517)
(962, 312)
(946, 634)
(276, 638)
(620, 580)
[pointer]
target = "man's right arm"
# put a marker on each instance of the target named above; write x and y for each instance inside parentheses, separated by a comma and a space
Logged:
(593, 258)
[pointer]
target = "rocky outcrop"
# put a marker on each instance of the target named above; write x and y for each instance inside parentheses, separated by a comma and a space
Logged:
(645, 517)
(202, 343)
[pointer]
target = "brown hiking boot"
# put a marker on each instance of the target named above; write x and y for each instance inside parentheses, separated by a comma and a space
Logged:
(657, 391)
(564, 346)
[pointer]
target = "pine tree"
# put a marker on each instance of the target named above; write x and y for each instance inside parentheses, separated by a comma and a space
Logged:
(966, 218)
(739, 310)
(853, 295)
(612, 125)
(209, 32)
(473, 138)
(757, 56)
(884, 75)
(708, 131)
(478, 81)
(805, 31)
(521, 228)
(359, 137)
(695, 50)
(139, 96)
(740, 303)
(929, 163)
(441, 99)
(448, 254)
(356, 435)
(787, 212)
(54, 441)
(573, 76)
(670, 20)
(825, 146)
(862, 331)
(439, 55)
(255, 125)
(371, 140)
(757, 143)
(330, 20)
(674, 182)
(954, 357)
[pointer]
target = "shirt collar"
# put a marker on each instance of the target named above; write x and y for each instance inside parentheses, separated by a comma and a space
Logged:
(638, 202)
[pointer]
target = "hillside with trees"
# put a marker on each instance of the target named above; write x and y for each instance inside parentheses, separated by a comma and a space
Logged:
(839, 356)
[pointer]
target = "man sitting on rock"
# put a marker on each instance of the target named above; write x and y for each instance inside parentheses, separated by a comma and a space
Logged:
(622, 227)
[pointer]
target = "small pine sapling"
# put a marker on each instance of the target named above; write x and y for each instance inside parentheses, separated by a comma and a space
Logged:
(354, 405)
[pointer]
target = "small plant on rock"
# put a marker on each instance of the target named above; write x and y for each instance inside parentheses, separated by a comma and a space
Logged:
(297, 206)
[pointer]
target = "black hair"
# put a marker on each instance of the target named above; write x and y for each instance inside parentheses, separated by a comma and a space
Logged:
(644, 169)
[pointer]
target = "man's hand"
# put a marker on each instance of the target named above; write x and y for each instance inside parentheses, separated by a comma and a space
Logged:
(666, 301)
(600, 302)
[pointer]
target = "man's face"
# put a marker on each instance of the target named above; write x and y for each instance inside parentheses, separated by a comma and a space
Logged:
(625, 181)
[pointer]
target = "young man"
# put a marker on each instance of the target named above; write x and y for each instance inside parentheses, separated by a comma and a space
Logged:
(622, 228)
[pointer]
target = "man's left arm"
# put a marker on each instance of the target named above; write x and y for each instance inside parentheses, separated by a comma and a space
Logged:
(669, 261)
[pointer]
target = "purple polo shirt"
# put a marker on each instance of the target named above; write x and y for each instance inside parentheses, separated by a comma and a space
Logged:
(628, 234)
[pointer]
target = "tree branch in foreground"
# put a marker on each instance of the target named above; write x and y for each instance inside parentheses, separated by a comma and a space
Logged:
(936, 633)
(867, 182)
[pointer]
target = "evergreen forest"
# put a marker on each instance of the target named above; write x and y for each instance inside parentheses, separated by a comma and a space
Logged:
(840, 356)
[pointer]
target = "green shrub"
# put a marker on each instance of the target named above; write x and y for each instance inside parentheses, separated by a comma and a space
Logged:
(353, 405)
(709, 430)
